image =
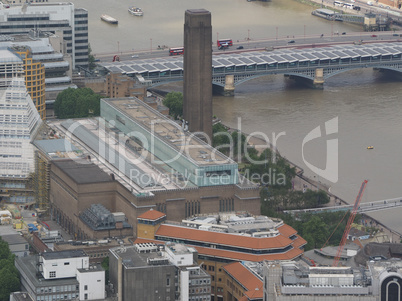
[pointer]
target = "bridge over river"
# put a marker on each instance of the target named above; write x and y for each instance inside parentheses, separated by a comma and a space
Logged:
(363, 208)
(311, 64)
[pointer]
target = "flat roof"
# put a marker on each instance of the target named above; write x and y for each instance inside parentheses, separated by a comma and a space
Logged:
(28, 266)
(82, 172)
(131, 258)
(168, 131)
(14, 239)
(63, 254)
(55, 145)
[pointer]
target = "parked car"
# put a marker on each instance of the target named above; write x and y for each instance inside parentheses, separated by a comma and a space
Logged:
(240, 47)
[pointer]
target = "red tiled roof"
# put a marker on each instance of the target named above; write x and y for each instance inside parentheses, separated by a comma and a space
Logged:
(287, 230)
(228, 239)
(152, 215)
(244, 298)
(299, 241)
(246, 278)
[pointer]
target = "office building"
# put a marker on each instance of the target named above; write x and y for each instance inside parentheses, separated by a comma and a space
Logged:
(11, 66)
(225, 238)
(19, 123)
(379, 281)
(64, 275)
(243, 281)
(156, 272)
(18, 245)
(47, 71)
(197, 66)
(61, 18)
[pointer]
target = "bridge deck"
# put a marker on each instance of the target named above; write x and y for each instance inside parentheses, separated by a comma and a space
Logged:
(364, 207)
(252, 63)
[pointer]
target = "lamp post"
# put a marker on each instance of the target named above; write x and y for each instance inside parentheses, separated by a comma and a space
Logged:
(304, 32)
(151, 44)
(118, 47)
(248, 37)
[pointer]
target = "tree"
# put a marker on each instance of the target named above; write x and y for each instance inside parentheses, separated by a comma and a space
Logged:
(174, 101)
(105, 266)
(9, 276)
(77, 103)
(91, 58)
(315, 231)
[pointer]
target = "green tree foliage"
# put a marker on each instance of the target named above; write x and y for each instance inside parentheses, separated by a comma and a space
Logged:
(91, 58)
(9, 276)
(105, 265)
(174, 101)
(77, 103)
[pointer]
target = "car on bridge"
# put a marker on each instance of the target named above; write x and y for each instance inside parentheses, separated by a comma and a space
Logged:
(291, 41)
(373, 35)
(240, 47)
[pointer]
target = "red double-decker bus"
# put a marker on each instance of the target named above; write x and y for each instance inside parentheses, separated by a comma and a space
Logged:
(176, 51)
(224, 42)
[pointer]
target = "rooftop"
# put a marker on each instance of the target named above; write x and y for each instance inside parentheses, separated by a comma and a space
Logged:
(243, 275)
(82, 172)
(152, 215)
(14, 239)
(134, 257)
(28, 266)
(169, 132)
(63, 254)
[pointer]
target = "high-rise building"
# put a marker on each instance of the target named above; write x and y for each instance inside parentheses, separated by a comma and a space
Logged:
(11, 66)
(47, 70)
(197, 84)
(19, 123)
(34, 78)
(62, 18)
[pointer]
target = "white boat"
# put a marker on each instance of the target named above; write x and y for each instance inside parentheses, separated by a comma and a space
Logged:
(136, 11)
(109, 19)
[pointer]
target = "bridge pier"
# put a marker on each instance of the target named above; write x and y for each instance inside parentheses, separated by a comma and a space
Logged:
(228, 89)
(318, 82)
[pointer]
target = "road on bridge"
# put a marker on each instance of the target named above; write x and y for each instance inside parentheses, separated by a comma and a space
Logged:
(288, 41)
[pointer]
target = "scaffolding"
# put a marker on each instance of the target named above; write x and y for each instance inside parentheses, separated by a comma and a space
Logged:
(41, 182)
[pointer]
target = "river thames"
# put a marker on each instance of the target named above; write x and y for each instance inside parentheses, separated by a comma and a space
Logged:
(368, 103)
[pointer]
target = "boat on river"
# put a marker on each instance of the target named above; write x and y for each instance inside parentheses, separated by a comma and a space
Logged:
(136, 11)
(109, 19)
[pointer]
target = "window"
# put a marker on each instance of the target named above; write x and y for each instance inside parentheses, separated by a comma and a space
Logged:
(66, 263)
(85, 296)
(167, 281)
(85, 287)
(52, 274)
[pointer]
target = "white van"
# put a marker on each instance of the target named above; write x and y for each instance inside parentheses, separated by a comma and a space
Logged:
(370, 3)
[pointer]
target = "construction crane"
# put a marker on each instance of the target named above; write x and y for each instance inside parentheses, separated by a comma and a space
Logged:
(349, 224)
